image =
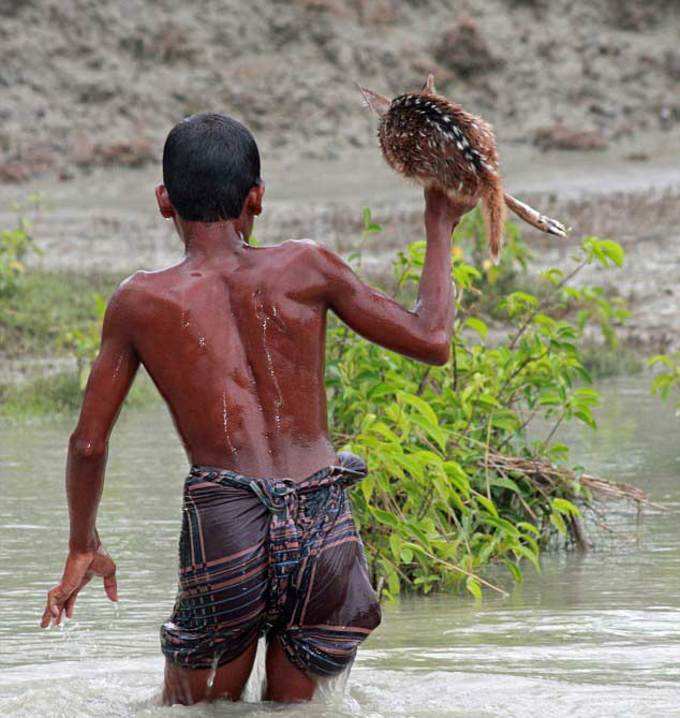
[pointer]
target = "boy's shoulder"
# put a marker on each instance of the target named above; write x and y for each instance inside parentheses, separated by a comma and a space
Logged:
(143, 285)
(300, 244)
(145, 281)
(294, 254)
(299, 248)
(308, 250)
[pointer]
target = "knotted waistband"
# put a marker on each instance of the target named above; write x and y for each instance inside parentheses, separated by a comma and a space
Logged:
(275, 494)
(295, 536)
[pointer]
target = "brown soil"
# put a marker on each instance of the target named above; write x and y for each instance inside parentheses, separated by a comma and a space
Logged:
(87, 84)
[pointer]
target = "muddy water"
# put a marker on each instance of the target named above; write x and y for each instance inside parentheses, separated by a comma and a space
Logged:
(591, 636)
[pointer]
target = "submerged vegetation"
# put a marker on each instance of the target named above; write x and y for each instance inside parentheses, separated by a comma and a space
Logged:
(466, 467)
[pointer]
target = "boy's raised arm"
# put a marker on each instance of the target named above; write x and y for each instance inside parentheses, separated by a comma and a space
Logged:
(110, 379)
(423, 333)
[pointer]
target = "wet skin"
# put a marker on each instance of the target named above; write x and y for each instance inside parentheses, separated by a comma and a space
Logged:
(233, 336)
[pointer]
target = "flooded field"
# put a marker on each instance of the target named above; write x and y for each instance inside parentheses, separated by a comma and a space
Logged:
(593, 635)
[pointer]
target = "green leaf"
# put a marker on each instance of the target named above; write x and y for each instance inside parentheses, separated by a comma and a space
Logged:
(477, 325)
(379, 427)
(586, 416)
(566, 507)
(393, 582)
(473, 587)
(415, 547)
(419, 404)
(558, 522)
(487, 504)
(406, 555)
(660, 359)
(526, 526)
(527, 553)
(505, 484)
(395, 545)
(514, 569)
(613, 250)
(385, 518)
(433, 431)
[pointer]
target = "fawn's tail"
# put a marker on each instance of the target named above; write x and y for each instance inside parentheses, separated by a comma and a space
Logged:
(535, 218)
(493, 209)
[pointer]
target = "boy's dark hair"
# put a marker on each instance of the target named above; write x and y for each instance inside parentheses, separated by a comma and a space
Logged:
(210, 163)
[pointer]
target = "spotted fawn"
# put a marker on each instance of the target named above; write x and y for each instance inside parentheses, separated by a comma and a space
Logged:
(434, 141)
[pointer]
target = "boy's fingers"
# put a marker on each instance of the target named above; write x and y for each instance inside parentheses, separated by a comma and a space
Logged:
(46, 618)
(106, 568)
(70, 604)
(103, 564)
(110, 586)
(74, 579)
(61, 599)
(55, 598)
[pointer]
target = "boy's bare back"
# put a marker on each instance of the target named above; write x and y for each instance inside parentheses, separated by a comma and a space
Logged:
(235, 343)
(236, 348)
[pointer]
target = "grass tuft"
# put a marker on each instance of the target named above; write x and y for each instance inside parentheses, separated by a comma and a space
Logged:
(62, 394)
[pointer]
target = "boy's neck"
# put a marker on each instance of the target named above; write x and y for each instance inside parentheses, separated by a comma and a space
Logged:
(211, 239)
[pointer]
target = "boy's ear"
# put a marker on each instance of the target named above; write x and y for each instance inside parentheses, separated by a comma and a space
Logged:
(254, 198)
(164, 204)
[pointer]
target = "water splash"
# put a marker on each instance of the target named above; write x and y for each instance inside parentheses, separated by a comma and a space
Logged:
(280, 324)
(119, 364)
(213, 671)
(334, 690)
(278, 399)
(255, 685)
(225, 424)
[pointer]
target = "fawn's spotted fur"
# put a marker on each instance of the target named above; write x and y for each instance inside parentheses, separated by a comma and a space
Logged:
(430, 139)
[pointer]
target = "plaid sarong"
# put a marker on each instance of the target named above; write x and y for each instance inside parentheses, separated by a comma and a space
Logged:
(274, 557)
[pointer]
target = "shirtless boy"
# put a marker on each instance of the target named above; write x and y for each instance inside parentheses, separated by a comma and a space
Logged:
(233, 336)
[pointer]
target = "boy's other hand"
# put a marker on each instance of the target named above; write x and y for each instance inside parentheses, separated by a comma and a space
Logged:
(441, 208)
(78, 572)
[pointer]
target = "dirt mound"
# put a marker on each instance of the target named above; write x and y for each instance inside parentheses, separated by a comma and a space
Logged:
(86, 83)
(560, 137)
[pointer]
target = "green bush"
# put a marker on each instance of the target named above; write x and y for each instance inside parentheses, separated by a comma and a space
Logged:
(62, 393)
(45, 306)
(82, 341)
(45, 395)
(15, 245)
(456, 482)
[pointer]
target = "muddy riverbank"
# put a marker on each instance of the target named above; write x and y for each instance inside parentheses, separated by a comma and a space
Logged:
(88, 84)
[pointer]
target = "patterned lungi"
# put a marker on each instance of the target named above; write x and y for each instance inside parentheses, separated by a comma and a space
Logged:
(272, 557)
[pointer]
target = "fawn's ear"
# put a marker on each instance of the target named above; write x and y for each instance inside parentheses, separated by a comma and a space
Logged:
(428, 87)
(375, 102)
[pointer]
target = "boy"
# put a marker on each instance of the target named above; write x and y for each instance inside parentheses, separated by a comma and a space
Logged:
(233, 337)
